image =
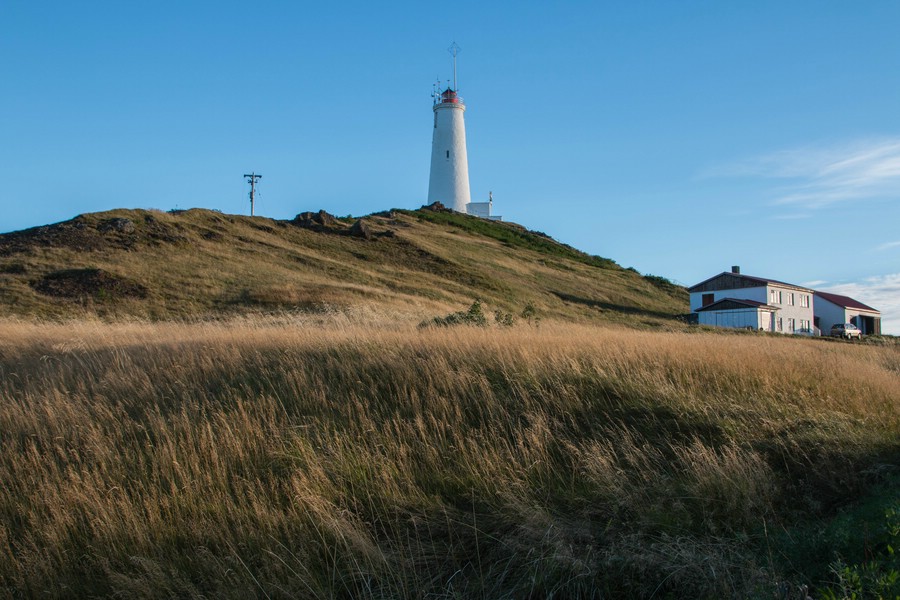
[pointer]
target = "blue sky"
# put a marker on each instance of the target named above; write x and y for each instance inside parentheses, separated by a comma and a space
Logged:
(679, 138)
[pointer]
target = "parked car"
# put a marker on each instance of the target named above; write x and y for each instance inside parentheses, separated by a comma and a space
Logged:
(845, 330)
(807, 331)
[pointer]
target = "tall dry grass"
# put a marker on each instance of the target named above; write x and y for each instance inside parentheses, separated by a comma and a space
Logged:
(347, 455)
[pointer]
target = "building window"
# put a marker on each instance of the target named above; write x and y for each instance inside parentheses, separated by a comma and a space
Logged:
(790, 299)
(778, 324)
(708, 299)
(791, 325)
(448, 154)
(775, 297)
(804, 324)
(804, 300)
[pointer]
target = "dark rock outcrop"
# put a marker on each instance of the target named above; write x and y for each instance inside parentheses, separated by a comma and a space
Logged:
(118, 225)
(319, 221)
(437, 207)
(361, 230)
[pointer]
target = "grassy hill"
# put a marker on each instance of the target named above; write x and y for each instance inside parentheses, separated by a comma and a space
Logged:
(200, 262)
(198, 405)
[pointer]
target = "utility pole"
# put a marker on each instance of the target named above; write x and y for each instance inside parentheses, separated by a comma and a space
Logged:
(252, 178)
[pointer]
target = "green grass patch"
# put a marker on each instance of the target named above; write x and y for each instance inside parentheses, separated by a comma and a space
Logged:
(513, 235)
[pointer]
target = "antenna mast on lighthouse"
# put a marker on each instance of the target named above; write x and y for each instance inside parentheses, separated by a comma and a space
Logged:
(454, 49)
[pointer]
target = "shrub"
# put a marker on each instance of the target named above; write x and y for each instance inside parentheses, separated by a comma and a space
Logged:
(473, 316)
(504, 319)
(876, 577)
(529, 313)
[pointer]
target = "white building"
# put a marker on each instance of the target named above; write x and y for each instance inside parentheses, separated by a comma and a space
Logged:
(832, 309)
(485, 210)
(736, 300)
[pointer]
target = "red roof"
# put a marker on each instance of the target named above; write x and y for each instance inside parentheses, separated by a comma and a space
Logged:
(844, 301)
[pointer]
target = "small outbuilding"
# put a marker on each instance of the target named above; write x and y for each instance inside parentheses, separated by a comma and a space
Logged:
(833, 309)
(485, 210)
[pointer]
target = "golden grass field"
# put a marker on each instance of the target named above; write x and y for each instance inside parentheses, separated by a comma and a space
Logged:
(352, 454)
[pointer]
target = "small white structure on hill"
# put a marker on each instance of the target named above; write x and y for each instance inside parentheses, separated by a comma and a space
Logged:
(485, 210)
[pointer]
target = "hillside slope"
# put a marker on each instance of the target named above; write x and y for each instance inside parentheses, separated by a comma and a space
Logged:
(200, 262)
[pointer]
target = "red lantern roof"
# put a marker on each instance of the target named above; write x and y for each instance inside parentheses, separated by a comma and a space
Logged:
(449, 96)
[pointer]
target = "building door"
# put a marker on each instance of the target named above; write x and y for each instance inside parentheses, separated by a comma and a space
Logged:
(868, 325)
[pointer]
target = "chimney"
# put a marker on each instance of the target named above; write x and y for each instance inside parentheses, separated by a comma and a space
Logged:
(736, 270)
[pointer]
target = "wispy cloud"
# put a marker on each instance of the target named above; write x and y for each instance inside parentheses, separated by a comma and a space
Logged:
(888, 246)
(817, 176)
(881, 292)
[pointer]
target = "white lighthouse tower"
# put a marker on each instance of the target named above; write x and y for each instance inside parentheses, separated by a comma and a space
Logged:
(449, 182)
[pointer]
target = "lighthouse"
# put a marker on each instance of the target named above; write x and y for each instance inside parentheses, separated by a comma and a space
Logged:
(449, 181)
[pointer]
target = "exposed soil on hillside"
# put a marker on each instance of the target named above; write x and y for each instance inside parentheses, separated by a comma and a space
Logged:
(94, 283)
